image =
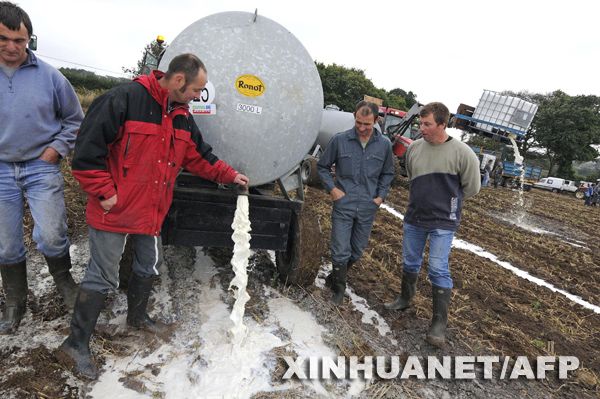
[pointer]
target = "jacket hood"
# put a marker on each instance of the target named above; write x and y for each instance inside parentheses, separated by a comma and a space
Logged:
(150, 82)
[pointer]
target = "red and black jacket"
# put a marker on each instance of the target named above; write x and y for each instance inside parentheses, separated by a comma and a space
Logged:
(129, 145)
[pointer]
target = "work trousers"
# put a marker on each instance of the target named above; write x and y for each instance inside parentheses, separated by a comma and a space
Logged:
(106, 249)
(350, 230)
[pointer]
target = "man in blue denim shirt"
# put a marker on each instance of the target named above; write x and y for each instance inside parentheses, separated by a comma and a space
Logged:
(39, 118)
(364, 170)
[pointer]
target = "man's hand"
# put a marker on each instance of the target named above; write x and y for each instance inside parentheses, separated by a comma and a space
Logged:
(50, 155)
(107, 204)
(241, 179)
(336, 194)
(378, 201)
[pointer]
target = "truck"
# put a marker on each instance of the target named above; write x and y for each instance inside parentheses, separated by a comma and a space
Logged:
(556, 185)
(262, 120)
(511, 171)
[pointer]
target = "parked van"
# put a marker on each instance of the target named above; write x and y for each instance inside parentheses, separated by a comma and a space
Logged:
(556, 185)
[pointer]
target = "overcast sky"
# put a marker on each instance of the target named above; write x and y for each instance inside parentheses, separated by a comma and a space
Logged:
(447, 51)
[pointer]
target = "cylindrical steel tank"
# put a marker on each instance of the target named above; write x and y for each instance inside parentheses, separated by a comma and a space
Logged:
(333, 122)
(261, 109)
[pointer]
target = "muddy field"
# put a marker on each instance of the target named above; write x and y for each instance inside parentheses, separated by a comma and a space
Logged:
(493, 311)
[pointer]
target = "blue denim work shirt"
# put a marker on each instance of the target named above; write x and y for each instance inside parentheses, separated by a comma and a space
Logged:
(362, 173)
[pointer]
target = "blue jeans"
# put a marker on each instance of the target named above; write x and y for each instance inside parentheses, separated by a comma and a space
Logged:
(41, 183)
(486, 179)
(440, 243)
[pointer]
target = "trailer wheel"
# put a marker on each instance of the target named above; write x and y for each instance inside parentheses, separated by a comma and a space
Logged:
(579, 194)
(300, 263)
(309, 173)
(555, 190)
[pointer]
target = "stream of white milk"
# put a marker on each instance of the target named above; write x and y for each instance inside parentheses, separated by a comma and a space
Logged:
(239, 262)
(521, 202)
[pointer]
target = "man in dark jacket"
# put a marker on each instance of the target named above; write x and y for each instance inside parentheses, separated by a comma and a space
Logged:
(364, 170)
(132, 144)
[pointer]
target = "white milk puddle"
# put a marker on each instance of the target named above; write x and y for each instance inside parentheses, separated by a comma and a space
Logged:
(369, 316)
(525, 225)
(523, 274)
(200, 361)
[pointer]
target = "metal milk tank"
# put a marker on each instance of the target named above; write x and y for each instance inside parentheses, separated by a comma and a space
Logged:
(261, 109)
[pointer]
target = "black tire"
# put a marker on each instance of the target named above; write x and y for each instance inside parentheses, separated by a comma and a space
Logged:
(555, 190)
(310, 175)
(579, 194)
(300, 263)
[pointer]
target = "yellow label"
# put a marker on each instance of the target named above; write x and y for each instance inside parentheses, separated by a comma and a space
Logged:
(250, 86)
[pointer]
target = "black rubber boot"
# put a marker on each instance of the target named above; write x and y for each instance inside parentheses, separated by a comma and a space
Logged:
(339, 283)
(138, 294)
(329, 278)
(407, 292)
(60, 270)
(437, 332)
(14, 284)
(74, 352)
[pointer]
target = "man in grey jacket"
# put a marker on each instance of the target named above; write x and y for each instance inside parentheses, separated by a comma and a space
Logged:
(39, 118)
(364, 170)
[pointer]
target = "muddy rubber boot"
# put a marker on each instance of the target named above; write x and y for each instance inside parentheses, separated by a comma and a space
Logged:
(339, 283)
(74, 352)
(14, 284)
(436, 335)
(138, 294)
(407, 292)
(329, 279)
(60, 270)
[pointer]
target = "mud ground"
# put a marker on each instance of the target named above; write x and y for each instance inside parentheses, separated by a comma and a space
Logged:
(493, 312)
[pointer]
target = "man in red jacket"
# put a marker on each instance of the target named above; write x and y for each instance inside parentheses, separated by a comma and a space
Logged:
(132, 144)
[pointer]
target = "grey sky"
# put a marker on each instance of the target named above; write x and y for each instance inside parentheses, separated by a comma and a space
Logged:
(447, 51)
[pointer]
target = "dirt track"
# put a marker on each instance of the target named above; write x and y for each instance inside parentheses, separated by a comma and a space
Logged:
(493, 312)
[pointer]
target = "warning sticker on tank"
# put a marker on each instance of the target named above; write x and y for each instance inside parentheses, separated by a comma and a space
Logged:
(250, 86)
(252, 109)
(197, 108)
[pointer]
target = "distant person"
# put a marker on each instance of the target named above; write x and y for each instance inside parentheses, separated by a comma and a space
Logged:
(133, 143)
(487, 170)
(39, 118)
(588, 193)
(364, 170)
(443, 172)
(596, 194)
(497, 173)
